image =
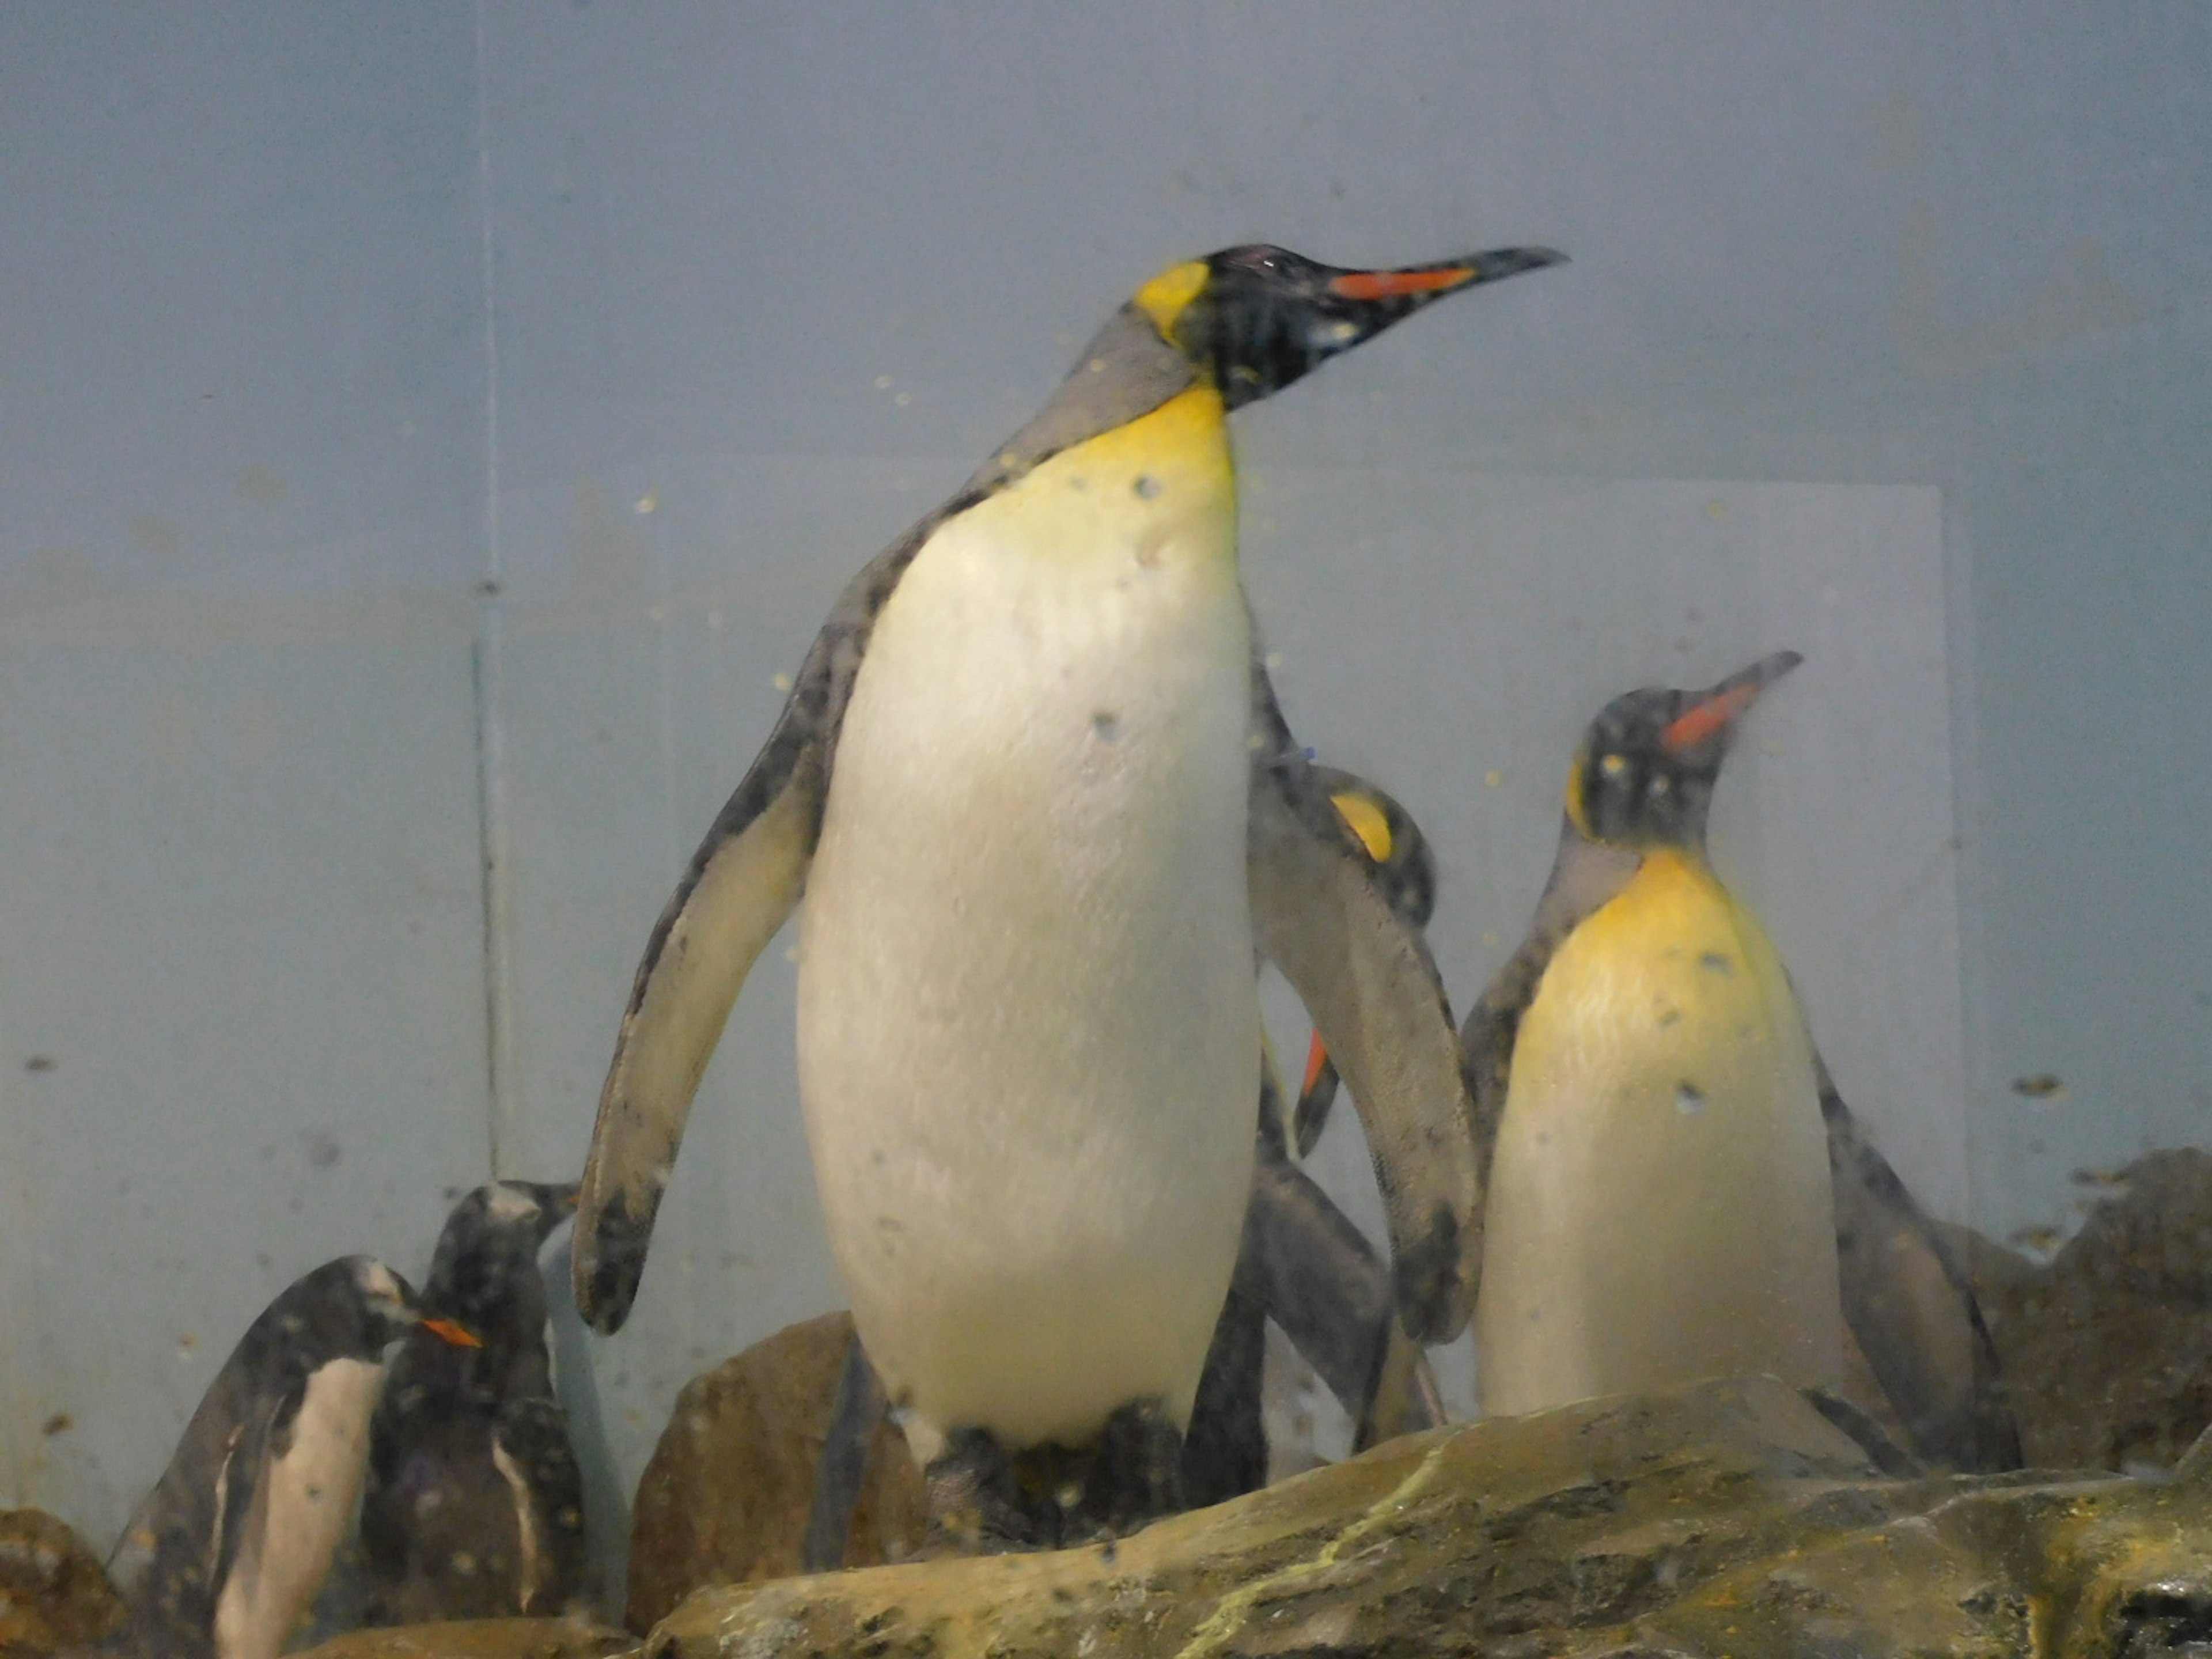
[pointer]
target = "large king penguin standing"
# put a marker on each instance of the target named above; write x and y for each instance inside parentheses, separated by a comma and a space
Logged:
(1034, 788)
(1675, 1190)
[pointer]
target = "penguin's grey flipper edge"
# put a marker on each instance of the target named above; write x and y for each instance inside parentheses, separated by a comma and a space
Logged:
(740, 887)
(1367, 979)
(1912, 1306)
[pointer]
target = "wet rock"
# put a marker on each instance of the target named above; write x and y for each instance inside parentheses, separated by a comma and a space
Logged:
(725, 1496)
(1729, 1518)
(480, 1638)
(2108, 1351)
(53, 1593)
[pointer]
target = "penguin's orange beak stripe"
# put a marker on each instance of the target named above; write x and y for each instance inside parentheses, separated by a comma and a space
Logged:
(1394, 285)
(1705, 719)
(459, 1335)
(1316, 1057)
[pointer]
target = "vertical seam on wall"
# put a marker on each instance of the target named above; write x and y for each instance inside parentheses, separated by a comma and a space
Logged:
(491, 771)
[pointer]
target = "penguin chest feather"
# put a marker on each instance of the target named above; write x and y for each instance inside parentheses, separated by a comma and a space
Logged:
(1028, 1033)
(303, 1505)
(1660, 1208)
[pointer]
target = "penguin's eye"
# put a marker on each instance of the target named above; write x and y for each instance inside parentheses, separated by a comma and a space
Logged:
(1613, 765)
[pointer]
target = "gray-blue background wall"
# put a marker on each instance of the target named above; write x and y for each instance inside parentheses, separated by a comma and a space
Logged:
(428, 431)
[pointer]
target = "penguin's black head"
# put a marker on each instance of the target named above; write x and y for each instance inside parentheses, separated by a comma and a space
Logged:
(1645, 773)
(483, 1275)
(366, 1306)
(1397, 852)
(1255, 318)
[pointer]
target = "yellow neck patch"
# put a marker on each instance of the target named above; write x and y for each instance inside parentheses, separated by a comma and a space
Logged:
(1366, 820)
(1166, 297)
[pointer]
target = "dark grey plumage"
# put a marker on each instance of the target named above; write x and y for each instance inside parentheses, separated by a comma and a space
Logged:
(474, 1505)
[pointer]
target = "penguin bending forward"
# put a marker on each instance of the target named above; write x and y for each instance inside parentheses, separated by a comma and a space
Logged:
(1033, 784)
(1675, 1190)
(224, 1557)
(1404, 869)
(474, 1506)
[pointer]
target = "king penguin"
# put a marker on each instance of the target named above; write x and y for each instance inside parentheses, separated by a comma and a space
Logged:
(224, 1558)
(1034, 788)
(474, 1507)
(1675, 1190)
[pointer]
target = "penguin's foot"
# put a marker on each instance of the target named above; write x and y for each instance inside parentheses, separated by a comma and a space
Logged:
(983, 1500)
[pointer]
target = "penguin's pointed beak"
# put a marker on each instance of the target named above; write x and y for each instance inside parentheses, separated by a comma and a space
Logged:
(456, 1335)
(1316, 1063)
(1263, 318)
(1353, 306)
(1713, 712)
(1420, 284)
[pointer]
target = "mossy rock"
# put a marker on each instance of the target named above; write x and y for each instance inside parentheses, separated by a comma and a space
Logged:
(1730, 1518)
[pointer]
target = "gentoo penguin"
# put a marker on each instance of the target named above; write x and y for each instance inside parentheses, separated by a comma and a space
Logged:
(474, 1505)
(223, 1558)
(1405, 870)
(1033, 783)
(1675, 1190)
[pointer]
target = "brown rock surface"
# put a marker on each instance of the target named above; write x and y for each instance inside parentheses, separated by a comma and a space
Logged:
(725, 1496)
(1730, 1518)
(2108, 1351)
(53, 1592)
(480, 1638)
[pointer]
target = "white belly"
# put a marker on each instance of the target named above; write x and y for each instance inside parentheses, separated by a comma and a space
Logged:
(1028, 1028)
(1659, 1205)
(302, 1509)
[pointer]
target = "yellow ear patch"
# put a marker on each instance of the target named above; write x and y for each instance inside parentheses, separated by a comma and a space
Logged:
(1574, 815)
(1165, 297)
(1365, 820)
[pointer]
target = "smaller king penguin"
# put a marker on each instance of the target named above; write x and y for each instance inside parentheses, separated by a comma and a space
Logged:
(474, 1507)
(1675, 1189)
(224, 1558)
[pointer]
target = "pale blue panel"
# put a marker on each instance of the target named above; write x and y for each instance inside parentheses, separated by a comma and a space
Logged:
(241, 483)
(1966, 247)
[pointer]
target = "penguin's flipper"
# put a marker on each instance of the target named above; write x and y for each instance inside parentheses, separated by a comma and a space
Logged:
(1316, 1098)
(856, 1410)
(244, 1528)
(1367, 979)
(741, 886)
(531, 1451)
(1912, 1307)
(1404, 1398)
(1317, 1277)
